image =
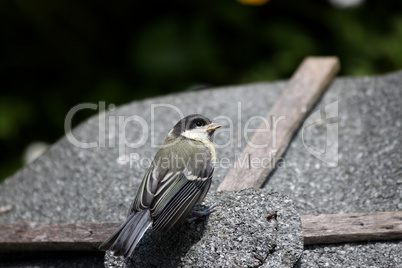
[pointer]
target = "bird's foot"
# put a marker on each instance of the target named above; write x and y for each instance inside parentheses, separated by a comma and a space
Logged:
(201, 213)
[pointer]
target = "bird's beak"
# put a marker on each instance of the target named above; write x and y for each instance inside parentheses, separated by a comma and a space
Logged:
(212, 128)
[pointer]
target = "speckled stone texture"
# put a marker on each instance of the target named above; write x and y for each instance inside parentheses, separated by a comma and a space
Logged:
(103, 179)
(71, 184)
(237, 234)
(384, 254)
(368, 176)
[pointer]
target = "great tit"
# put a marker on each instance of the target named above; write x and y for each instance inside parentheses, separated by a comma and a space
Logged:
(179, 178)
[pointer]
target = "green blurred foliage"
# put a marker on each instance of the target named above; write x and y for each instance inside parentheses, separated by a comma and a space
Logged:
(55, 54)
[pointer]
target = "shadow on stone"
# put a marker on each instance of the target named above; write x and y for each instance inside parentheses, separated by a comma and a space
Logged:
(167, 249)
(250, 228)
(157, 249)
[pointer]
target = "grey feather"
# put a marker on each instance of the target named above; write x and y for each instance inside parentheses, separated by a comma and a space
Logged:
(126, 237)
(177, 209)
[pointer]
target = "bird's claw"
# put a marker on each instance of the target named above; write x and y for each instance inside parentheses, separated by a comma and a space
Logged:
(201, 213)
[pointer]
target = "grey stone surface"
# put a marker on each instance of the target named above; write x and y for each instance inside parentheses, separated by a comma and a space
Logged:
(369, 172)
(103, 179)
(71, 184)
(237, 234)
(353, 255)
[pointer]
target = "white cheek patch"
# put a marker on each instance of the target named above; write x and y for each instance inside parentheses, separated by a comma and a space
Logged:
(199, 134)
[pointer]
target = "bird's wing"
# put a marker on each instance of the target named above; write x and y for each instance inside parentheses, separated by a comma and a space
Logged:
(146, 192)
(176, 196)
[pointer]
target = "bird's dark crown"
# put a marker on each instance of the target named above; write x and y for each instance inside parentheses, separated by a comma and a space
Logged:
(189, 122)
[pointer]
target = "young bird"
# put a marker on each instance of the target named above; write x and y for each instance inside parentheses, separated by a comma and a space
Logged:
(178, 178)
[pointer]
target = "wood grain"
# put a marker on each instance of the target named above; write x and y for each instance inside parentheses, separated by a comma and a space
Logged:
(321, 229)
(54, 236)
(354, 227)
(304, 89)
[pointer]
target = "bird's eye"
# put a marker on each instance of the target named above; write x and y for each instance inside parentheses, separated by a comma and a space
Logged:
(198, 123)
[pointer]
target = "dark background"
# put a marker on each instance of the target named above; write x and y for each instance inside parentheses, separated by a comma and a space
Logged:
(57, 54)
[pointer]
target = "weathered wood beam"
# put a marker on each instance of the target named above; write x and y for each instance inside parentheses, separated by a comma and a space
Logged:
(353, 227)
(54, 236)
(321, 229)
(303, 90)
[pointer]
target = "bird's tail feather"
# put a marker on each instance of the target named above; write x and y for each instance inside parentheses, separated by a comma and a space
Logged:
(124, 240)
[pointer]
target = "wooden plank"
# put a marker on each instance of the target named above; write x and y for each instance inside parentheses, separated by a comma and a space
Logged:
(354, 227)
(54, 236)
(304, 88)
(321, 229)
